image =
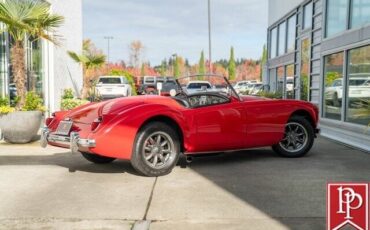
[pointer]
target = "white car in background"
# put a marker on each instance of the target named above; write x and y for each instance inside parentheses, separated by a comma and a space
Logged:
(359, 88)
(110, 87)
(242, 86)
(198, 86)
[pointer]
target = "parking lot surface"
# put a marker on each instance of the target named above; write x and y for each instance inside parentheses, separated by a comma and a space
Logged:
(254, 189)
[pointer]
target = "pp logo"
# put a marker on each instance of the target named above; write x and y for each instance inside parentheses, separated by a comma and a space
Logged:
(348, 206)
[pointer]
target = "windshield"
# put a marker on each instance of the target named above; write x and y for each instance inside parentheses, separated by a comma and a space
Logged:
(112, 80)
(198, 84)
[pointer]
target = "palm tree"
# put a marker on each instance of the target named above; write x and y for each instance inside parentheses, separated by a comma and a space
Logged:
(90, 59)
(25, 19)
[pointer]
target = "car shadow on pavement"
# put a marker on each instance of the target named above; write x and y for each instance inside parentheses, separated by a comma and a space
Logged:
(71, 162)
(291, 191)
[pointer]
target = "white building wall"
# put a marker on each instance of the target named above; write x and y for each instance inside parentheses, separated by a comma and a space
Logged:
(63, 71)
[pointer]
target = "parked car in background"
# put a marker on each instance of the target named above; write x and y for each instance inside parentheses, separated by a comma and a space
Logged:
(241, 85)
(109, 87)
(257, 88)
(149, 84)
(153, 131)
(198, 86)
(359, 89)
(168, 85)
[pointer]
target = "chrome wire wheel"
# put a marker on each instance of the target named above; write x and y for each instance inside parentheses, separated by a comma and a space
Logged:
(295, 137)
(159, 150)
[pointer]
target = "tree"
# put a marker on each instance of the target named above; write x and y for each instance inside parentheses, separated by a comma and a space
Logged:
(176, 67)
(25, 19)
(143, 71)
(136, 49)
(163, 68)
(231, 67)
(202, 67)
(91, 59)
(263, 60)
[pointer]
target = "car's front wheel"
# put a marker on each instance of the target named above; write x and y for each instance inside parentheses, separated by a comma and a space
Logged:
(96, 159)
(156, 149)
(298, 138)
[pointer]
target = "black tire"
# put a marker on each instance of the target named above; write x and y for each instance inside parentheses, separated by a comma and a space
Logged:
(143, 148)
(96, 159)
(282, 149)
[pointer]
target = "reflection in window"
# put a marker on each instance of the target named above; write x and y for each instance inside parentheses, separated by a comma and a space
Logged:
(273, 43)
(307, 16)
(358, 89)
(282, 38)
(280, 82)
(336, 16)
(305, 68)
(360, 13)
(292, 22)
(333, 82)
(289, 87)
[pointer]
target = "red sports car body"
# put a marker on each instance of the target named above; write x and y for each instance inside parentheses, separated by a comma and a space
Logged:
(205, 122)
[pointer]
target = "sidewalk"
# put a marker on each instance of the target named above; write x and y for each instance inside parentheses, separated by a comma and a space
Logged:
(255, 189)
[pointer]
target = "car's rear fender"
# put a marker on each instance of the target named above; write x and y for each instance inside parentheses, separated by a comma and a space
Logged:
(115, 138)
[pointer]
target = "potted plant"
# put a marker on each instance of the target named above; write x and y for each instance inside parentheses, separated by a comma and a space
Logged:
(22, 126)
(25, 20)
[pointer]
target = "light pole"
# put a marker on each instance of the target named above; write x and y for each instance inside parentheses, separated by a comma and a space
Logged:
(209, 37)
(108, 38)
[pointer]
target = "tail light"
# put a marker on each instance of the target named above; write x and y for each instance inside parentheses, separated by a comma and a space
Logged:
(49, 119)
(95, 124)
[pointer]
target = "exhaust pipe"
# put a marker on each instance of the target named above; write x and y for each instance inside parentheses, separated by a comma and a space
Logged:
(189, 159)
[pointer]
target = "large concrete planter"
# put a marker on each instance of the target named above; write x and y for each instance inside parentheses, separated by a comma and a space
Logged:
(20, 127)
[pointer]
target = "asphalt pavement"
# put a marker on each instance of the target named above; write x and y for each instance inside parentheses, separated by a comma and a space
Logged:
(254, 189)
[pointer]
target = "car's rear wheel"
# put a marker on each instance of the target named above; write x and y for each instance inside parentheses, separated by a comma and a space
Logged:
(298, 138)
(156, 149)
(97, 159)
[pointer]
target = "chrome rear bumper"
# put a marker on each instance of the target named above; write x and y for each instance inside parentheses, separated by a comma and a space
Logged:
(73, 142)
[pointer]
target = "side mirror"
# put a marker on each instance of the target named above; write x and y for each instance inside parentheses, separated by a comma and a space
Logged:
(173, 93)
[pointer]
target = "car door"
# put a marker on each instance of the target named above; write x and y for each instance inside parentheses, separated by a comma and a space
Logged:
(220, 127)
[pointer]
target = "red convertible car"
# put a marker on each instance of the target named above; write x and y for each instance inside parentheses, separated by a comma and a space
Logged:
(152, 131)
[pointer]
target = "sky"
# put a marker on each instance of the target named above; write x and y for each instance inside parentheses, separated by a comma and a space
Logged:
(167, 27)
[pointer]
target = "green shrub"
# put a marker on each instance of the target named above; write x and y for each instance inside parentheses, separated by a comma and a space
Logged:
(33, 102)
(5, 109)
(273, 95)
(68, 94)
(4, 101)
(128, 76)
(69, 104)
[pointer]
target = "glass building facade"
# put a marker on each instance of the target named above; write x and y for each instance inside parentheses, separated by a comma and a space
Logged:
(329, 64)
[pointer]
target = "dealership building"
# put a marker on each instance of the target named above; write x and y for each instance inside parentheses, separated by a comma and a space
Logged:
(319, 51)
(49, 69)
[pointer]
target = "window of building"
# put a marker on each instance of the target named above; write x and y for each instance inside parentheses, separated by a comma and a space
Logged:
(305, 68)
(3, 65)
(289, 84)
(336, 16)
(360, 13)
(280, 81)
(291, 34)
(333, 86)
(34, 66)
(307, 16)
(358, 86)
(282, 38)
(273, 43)
(272, 79)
